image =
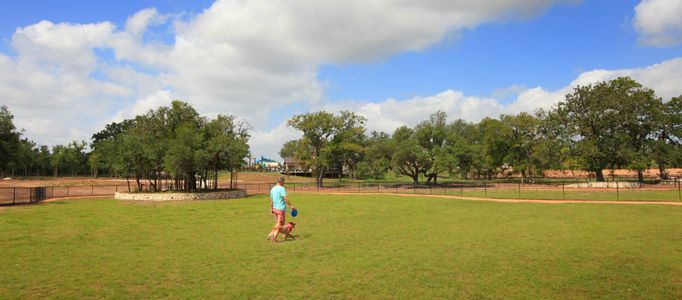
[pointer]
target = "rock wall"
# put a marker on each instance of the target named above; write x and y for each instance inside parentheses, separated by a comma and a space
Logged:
(165, 196)
(606, 185)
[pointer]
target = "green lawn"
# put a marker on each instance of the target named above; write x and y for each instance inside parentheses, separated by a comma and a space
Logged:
(349, 246)
(545, 193)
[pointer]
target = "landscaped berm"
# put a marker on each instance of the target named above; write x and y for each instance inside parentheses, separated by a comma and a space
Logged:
(347, 246)
(171, 196)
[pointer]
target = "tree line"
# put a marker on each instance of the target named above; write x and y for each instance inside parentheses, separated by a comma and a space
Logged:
(597, 127)
(603, 126)
(23, 157)
(172, 142)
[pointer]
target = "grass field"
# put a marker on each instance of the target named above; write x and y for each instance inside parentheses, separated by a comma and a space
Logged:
(349, 246)
(545, 193)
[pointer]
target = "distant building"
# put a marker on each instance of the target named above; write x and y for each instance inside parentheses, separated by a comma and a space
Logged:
(293, 165)
(267, 163)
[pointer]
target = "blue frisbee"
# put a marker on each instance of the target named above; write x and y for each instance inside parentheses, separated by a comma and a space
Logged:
(294, 213)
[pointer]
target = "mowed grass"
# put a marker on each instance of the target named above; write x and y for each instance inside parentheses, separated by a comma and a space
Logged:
(545, 193)
(348, 246)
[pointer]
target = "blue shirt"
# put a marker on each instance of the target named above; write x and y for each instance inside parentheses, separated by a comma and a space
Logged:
(277, 195)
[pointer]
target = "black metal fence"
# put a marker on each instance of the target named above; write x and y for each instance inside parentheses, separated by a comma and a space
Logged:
(26, 195)
(498, 189)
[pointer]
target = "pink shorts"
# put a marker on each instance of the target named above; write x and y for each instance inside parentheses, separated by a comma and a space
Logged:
(279, 214)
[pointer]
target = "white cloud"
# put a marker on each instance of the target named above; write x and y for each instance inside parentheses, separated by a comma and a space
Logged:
(138, 23)
(250, 57)
(659, 22)
(56, 85)
(236, 57)
(142, 106)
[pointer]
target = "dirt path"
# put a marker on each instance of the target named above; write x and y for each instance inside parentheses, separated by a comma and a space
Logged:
(507, 200)
(444, 196)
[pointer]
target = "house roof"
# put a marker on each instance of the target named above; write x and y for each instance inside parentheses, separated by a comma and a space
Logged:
(291, 160)
(265, 160)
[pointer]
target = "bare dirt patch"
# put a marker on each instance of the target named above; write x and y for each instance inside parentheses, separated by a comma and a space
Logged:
(245, 177)
(650, 173)
(266, 177)
(61, 181)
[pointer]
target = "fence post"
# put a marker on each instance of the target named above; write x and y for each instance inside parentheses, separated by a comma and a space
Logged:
(679, 191)
(485, 190)
(14, 196)
(92, 190)
(563, 192)
(617, 192)
(461, 190)
(519, 190)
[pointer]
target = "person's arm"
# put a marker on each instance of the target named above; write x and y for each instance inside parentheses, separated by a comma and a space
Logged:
(286, 200)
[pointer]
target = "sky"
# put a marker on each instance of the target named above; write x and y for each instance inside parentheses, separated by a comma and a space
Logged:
(69, 67)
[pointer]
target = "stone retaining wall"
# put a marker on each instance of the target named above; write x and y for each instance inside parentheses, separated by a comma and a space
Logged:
(607, 185)
(165, 196)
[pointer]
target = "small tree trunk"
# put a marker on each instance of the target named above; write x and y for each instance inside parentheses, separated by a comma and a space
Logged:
(320, 177)
(600, 175)
(661, 171)
(128, 182)
(137, 181)
(640, 176)
(215, 180)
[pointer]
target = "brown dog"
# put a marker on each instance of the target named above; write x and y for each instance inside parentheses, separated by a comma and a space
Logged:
(285, 229)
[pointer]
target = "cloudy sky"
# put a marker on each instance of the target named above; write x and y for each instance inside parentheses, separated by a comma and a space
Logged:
(69, 67)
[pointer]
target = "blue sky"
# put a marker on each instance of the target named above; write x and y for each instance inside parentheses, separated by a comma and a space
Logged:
(549, 51)
(267, 60)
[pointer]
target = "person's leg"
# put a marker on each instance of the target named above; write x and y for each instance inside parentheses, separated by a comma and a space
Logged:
(279, 221)
(274, 215)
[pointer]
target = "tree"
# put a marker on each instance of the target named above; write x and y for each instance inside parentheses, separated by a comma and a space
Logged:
(609, 122)
(57, 158)
(490, 147)
(431, 136)
(637, 116)
(461, 148)
(526, 147)
(184, 157)
(409, 158)
(104, 146)
(318, 130)
(225, 145)
(377, 159)
(9, 140)
(347, 147)
(667, 136)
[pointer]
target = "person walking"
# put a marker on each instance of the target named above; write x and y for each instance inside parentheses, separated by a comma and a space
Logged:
(278, 205)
